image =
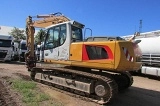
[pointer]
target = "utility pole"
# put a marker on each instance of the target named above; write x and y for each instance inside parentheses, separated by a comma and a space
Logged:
(140, 26)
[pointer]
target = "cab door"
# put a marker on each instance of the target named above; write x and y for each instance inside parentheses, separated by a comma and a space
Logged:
(51, 44)
(64, 43)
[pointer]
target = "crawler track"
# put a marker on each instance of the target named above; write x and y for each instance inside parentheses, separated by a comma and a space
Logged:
(111, 84)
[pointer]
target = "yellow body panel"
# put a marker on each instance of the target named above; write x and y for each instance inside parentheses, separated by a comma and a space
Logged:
(76, 56)
(121, 62)
(58, 61)
(117, 63)
(76, 52)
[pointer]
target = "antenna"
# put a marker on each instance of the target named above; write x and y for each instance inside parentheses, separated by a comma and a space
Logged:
(140, 26)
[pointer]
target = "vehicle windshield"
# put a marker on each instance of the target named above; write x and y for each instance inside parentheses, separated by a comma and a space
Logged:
(23, 46)
(5, 43)
(76, 34)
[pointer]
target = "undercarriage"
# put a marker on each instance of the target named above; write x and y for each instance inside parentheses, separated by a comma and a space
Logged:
(95, 85)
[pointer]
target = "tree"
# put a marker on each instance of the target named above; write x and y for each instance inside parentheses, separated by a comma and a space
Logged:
(17, 34)
(37, 37)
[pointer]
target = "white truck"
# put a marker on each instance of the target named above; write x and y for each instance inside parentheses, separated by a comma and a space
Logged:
(41, 52)
(150, 48)
(6, 47)
(22, 50)
(15, 54)
(38, 47)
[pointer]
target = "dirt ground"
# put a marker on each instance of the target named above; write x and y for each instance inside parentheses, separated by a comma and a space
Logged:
(143, 92)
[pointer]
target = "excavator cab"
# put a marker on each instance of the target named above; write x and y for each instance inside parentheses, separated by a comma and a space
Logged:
(58, 39)
(60, 32)
(75, 31)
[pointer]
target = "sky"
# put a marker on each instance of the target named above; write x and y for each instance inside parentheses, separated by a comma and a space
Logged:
(104, 17)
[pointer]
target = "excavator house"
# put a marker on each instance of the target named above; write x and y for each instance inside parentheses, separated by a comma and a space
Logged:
(94, 70)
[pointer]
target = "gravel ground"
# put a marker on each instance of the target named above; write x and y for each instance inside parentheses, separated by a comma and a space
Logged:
(143, 92)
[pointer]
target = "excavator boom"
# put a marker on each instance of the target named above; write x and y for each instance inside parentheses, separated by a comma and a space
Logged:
(46, 20)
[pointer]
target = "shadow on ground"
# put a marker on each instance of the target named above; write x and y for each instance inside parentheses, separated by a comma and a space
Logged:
(136, 97)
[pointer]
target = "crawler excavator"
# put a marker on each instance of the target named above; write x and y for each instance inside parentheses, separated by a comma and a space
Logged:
(95, 71)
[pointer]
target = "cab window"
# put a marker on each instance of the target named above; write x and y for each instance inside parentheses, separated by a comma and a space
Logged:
(63, 34)
(49, 44)
(76, 34)
(56, 36)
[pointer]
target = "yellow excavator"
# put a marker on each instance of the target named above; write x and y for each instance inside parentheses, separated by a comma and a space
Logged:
(95, 70)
